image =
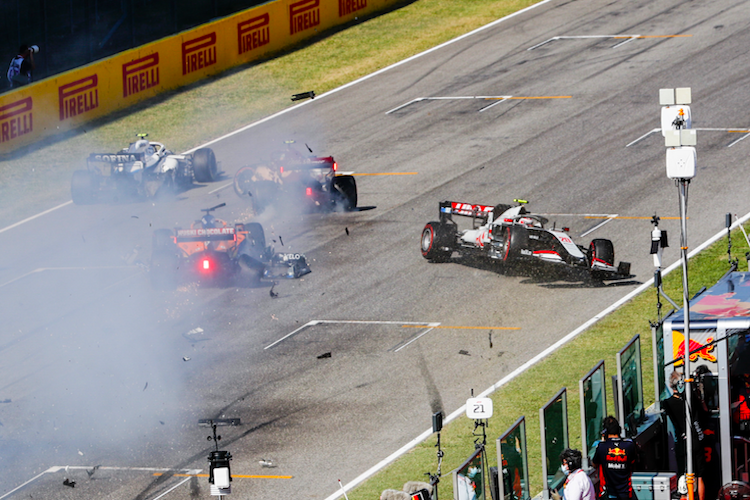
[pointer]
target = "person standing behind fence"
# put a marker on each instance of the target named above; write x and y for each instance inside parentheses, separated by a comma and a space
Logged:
(615, 457)
(577, 485)
(21, 69)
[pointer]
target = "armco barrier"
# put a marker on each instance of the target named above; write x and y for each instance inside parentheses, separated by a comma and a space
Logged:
(70, 99)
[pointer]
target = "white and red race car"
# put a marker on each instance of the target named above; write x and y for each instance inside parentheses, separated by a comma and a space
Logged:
(512, 234)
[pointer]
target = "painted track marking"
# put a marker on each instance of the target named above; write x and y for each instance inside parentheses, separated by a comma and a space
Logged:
(703, 129)
(625, 38)
(349, 322)
(499, 98)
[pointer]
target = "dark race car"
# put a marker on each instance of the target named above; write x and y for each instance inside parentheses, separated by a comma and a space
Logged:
(291, 179)
(512, 235)
(143, 169)
(214, 251)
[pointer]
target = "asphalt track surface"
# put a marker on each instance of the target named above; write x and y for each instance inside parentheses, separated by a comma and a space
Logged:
(96, 368)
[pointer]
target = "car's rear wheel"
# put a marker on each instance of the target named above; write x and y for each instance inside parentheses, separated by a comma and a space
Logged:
(346, 189)
(243, 181)
(436, 243)
(601, 250)
(83, 187)
(204, 165)
(516, 238)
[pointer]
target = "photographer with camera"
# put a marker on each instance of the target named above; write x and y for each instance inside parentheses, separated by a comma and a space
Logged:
(21, 69)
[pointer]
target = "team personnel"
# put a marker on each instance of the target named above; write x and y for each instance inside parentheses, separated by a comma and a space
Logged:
(615, 457)
(577, 485)
(21, 69)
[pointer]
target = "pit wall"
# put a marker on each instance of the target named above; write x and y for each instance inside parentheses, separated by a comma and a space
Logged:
(71, 99)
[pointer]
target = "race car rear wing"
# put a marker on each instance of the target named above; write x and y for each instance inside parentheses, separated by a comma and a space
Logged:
(310, 163)
(450, 208)
(206, 234)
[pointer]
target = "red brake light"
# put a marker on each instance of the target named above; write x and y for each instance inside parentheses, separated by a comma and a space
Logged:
(206, 264)
(281, 169)
(335, 166)
(308, 191)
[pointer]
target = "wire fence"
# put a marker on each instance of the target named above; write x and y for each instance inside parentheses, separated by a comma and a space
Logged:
(72, 33)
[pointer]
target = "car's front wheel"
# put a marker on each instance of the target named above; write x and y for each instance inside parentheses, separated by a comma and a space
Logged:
(602, 251)
(516, 238)
(436, 244)
(204, 165)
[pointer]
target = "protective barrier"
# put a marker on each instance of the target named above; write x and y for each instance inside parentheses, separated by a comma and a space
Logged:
(70, 99)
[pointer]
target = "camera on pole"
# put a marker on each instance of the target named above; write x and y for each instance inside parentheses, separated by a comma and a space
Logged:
(220, 474)
(676, 123)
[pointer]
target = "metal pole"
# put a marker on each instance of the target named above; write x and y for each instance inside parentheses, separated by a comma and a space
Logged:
(683, 186)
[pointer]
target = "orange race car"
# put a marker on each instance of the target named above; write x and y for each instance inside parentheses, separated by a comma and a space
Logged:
(214, 250)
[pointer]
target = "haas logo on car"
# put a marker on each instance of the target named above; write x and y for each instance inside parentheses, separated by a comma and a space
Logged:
(303, 15)
(16, 119)
(253, 33)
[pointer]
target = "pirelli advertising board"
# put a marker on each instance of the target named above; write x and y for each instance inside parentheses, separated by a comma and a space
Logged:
(70, 99)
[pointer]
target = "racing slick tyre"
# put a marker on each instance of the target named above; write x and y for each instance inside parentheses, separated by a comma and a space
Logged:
(437, 241)
(204, 165)
(243, 181)
(516, 238)
(83, 187)
(601, 250)
(163, 270)
(345, 187)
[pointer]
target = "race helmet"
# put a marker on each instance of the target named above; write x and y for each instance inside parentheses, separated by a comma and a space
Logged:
(139, 146)
(208, 221)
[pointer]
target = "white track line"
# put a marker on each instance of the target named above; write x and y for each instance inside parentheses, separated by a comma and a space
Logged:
(173, 488)
(42, 269)
(738, 140)
(609, 218)
(644, 136)
(24, 484)
(58, 468)
(500, 99)
(576, 37)
(350, 322)
(737, 129)
(34, 217)
(518, 371)
(222, 187)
